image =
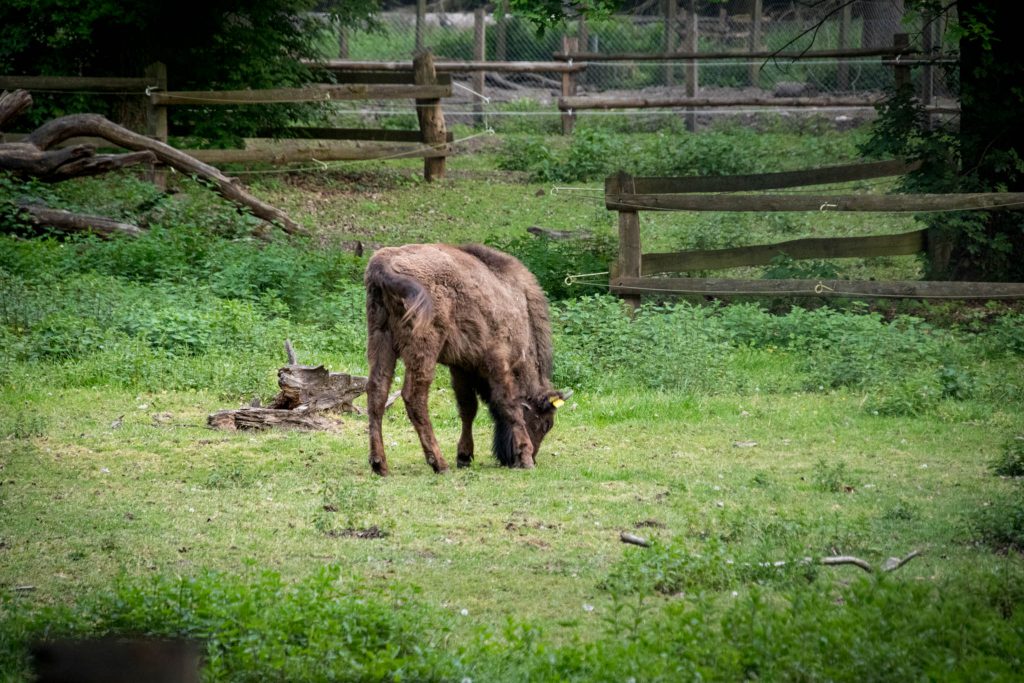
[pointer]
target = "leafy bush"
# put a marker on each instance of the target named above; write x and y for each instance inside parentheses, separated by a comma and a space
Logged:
(551, 261)
(254, 627)
(1010, 462)
(599, 345)
(830, 477)
(783, 267)
(1000, 522)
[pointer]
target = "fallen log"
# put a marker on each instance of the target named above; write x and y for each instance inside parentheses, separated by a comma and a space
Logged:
(65, 221)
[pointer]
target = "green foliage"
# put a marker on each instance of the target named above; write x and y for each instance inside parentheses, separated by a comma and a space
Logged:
(830, 477)
(783, 267)
(254, 626)
(598, 149)
(347, 507)
(678, 568)
(999, 523)
(599, 345)
(1010, 462)
(551, 261)
(222, 46)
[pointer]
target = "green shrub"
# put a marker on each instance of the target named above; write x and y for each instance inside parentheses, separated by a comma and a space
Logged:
(1010, 462)
(600, 346)
(1000, 522)
(830, 477)
(255, 626)
(551, 261)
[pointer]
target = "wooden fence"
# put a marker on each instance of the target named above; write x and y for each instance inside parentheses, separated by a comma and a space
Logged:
(421, 83)
(634, 272)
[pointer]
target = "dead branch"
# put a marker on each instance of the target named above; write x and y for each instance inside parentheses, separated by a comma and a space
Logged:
(290, 351)
(93, 125)
(12, 104)
(39, 157)
(890, 565)
(258, 419)
(633, 539)
(65, 221)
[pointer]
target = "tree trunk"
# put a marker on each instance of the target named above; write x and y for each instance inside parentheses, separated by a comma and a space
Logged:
(987, 245)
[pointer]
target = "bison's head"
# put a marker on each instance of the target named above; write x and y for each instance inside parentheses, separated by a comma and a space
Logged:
(539, 414)
(539, 417)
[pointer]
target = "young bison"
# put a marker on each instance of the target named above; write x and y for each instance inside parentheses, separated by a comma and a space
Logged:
(481, 313)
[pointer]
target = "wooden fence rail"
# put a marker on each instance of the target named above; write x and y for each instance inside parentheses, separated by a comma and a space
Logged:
(418, 81)
(632, 273)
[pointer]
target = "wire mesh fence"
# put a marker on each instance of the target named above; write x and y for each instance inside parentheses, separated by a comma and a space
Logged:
(629, 44)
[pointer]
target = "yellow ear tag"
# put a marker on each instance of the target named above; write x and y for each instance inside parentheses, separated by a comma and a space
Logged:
(557, 402)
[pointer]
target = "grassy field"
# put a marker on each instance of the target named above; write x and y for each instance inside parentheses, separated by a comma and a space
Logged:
(732, 437)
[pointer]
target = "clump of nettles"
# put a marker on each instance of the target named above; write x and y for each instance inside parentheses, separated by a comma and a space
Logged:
(1011, 462)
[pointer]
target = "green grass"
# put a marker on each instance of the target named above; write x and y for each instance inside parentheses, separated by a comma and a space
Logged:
(730, 436)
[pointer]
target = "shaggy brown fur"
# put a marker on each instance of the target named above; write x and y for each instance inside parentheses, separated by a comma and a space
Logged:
(481, 313)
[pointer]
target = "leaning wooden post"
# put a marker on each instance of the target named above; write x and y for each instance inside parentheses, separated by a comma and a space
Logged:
(570, 45)
(431, 118)
(156, 116)
(480, 55)
(628, 263)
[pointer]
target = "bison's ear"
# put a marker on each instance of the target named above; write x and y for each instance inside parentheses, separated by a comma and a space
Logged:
(556, 399)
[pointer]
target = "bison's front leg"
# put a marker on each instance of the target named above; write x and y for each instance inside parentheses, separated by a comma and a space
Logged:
(506, 401)
(415, 394)
(465, 397)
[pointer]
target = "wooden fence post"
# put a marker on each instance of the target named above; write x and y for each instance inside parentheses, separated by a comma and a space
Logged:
(421, 20)
(628, 263)
(501, 37)
(670, 39)
(343, 42)
(901, 72)
(691, 65)
(480, 55)
(755, 42)
(843, 66)
(430, 115)
(570, 45)
(156, 117)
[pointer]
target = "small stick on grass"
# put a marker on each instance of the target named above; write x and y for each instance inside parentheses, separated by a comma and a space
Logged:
(633, 539)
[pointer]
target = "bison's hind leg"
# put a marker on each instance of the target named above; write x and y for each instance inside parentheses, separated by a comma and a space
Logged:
(419, 374)
(382, 358)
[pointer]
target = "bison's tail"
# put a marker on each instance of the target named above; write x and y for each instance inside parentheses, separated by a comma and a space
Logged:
(419, 307)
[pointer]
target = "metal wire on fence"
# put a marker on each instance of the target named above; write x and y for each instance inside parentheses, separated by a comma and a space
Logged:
(657, 28)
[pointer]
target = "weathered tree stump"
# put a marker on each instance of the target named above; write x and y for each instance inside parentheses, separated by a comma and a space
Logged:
(306, 392)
